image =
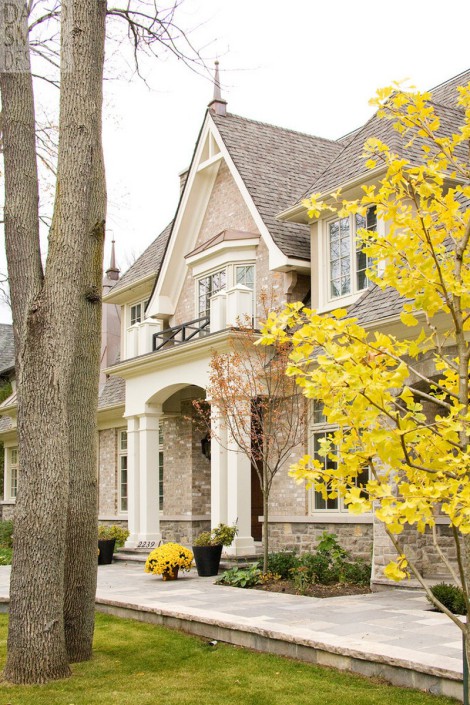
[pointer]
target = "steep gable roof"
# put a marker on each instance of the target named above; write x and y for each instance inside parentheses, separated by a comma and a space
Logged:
(446, 93)
(113, 393)
(147, 264)
(7, 347)
(350, 163)
(276, 164)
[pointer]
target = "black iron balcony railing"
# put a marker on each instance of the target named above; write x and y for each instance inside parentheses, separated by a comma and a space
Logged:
(181, 334)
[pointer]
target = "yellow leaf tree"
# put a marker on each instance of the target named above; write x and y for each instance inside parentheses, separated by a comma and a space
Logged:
(399, 404)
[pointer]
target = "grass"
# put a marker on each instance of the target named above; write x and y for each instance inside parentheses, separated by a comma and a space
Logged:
(140, 664)
(5, 556)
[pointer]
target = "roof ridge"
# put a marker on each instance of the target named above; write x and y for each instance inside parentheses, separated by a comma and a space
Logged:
(447, 81)
(278, 127)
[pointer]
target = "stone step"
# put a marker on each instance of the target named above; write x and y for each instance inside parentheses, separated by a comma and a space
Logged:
(139, 555)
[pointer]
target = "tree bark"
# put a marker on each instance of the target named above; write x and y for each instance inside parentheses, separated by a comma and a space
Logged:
(57, 327)
(82, 515)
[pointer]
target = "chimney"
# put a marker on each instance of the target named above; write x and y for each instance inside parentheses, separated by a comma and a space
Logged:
(218, 105)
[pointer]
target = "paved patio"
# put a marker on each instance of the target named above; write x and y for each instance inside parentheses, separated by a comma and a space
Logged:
(392, 634)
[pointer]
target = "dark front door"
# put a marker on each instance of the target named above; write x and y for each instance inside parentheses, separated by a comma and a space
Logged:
(256, 505)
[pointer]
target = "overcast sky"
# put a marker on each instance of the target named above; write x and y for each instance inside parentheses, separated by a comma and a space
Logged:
(307, 65)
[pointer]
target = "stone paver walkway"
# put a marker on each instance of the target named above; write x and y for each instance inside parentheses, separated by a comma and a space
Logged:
(391, 634)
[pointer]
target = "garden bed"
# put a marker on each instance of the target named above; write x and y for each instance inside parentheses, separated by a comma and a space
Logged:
(315, 590)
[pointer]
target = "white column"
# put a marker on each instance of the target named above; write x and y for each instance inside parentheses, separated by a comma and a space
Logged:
(239, 499)
(133, 483)
(218, 470)
(149, 530)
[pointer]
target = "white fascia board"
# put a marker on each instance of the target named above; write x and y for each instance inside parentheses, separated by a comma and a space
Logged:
(298, 212)
(282, 263)
(135, 289)
(223, 253)
(163, 304)
(275, 253)
(172, 273)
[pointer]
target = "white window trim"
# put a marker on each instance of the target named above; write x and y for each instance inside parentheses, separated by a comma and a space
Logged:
(326, 301)
(230, 278)
(121, 453)
(129, 307)
(315, 513)
(9, 466)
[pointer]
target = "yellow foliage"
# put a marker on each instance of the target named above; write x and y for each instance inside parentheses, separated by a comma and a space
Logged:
(419, 464)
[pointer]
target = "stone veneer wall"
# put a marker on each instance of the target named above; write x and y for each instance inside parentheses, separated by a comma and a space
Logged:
(184, 532)
(107, 477)
(420, 549)
(304, 536)
(8, 512)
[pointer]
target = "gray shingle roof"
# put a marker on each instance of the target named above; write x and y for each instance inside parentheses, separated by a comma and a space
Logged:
(7, 347)
(276, 165)
(148, 263)
(113, 393)
(446, 93)
(350, 163)
(376, 304)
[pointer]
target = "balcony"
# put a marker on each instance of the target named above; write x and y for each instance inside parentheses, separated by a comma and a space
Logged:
(176, 335)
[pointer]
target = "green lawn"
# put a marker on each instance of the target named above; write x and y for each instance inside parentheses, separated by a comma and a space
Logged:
(139, 664)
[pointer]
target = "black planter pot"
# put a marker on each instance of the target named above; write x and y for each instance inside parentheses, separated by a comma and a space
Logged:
(207, 559)
(106, 548)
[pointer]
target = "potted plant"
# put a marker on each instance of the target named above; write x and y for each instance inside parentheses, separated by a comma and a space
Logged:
(208, 546)
(166, 560)
(108, 538)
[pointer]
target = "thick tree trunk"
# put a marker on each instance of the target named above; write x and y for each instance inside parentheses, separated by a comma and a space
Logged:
(82, 539)
(57, 326)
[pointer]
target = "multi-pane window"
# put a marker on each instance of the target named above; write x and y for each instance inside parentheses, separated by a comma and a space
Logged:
(320, 431)
(245, 275)
(208, 286)
(122, 456)
(363, 262)
(136, 313)
(13, 472)
(347, 262)
(160, 468)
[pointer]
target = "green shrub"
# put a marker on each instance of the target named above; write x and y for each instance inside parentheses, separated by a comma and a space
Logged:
(6, 534)
(241, 577)
(282, 563)
(320, 568)
(221, 534)
(451, 597)
(5, 556)
(357, 572)
(105, 531)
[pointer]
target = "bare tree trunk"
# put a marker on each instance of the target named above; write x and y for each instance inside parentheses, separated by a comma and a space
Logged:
(36, 645)
(57, 326)
(81, 560)
(265, 519)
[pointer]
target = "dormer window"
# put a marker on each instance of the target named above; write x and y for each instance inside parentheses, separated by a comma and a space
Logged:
(347, 263)
(136, 314)
(208, 286)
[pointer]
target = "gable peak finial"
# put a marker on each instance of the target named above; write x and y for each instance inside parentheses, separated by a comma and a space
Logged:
(218, 105)
(112, 272)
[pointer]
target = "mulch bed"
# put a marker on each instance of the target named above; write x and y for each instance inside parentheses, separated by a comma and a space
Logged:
(334, 590)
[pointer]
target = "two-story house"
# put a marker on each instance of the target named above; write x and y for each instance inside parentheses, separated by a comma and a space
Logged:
(239, 227)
